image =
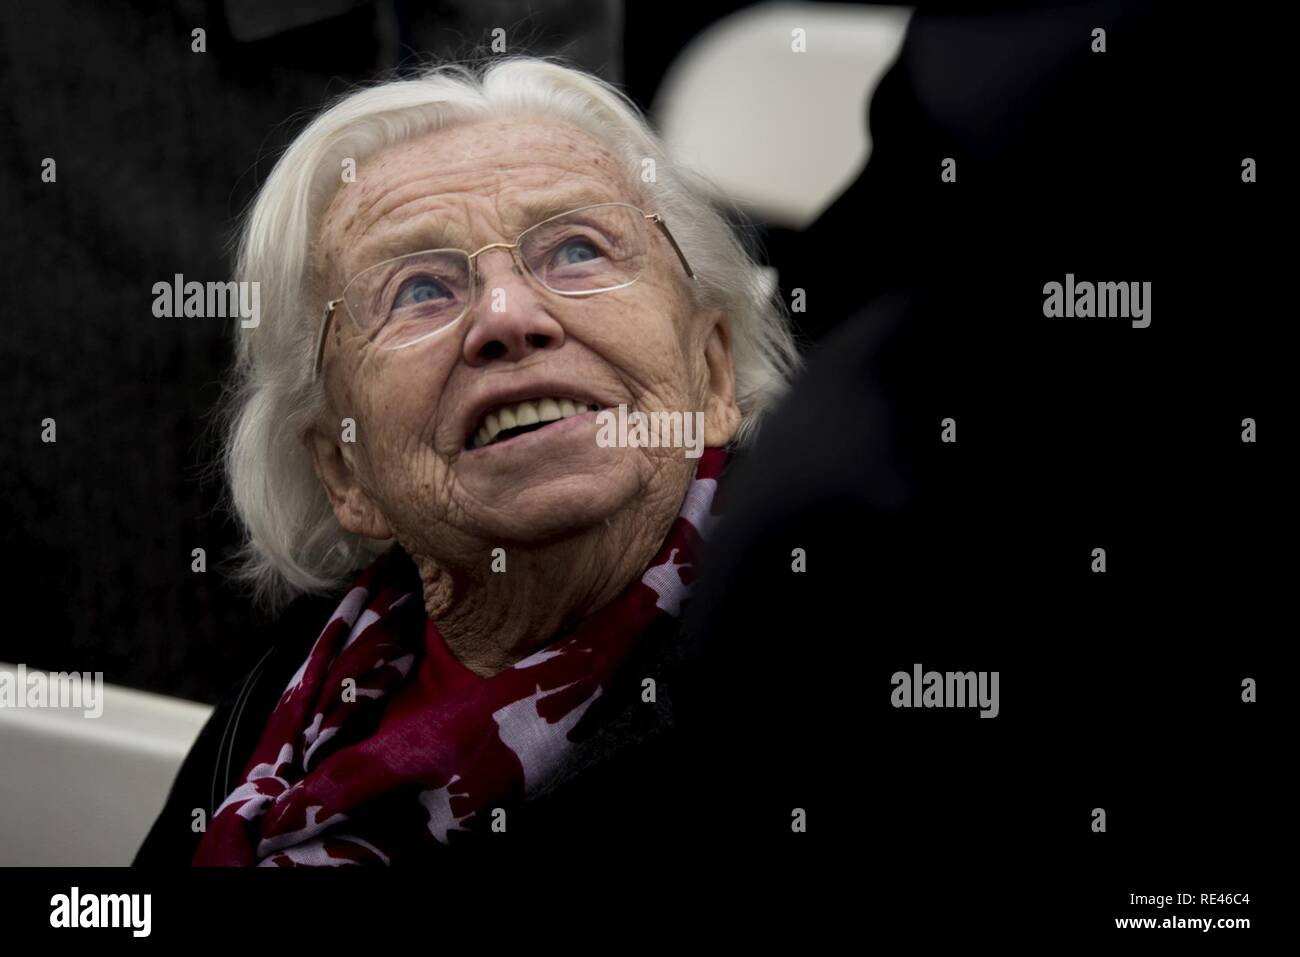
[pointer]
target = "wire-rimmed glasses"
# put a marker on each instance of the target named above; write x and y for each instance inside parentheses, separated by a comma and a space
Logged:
(404, 300)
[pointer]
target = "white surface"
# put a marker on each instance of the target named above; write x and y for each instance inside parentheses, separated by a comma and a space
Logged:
(780, 131)
(84, 791)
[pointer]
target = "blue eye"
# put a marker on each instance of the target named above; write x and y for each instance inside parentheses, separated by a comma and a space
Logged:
(420, 290)
(576, 252)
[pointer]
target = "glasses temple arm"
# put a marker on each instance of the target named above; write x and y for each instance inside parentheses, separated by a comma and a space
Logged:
(320, 339)
(663, 228)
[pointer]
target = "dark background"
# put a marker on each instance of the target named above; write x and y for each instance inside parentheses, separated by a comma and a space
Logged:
(1120, 691)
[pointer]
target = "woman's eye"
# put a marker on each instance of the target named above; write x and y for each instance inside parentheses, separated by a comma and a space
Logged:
(420, 290)
(576, 251)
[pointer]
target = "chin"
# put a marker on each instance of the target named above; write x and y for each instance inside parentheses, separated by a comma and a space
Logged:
(547, 508)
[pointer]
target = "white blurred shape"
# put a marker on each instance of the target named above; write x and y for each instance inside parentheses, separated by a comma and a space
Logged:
(780, 132)
(85, 791)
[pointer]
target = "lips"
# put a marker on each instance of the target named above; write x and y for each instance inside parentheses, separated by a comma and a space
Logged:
(507, 419)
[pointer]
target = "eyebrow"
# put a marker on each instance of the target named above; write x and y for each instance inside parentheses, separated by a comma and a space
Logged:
(533, 210)
(443, 233)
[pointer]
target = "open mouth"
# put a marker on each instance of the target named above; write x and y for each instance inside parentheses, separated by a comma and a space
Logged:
(508, 421)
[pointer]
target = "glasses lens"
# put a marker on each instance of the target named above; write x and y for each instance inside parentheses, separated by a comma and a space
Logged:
(403, 300)
(589, 250)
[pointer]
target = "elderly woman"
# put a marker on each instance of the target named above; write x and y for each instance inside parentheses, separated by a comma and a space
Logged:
(462, 275)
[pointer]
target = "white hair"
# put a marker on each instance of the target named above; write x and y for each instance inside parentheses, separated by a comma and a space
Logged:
(292, 543)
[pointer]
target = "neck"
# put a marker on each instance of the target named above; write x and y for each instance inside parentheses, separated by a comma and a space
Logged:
(490, 620)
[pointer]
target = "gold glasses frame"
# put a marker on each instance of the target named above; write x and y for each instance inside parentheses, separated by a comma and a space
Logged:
(520, 267)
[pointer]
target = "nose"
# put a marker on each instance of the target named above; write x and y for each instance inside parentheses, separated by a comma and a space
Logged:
(508, 320)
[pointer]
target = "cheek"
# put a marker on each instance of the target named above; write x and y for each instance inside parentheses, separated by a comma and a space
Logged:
(403, 474)
(402, 434)
(647, 343)
(388, 430)
(404, 402)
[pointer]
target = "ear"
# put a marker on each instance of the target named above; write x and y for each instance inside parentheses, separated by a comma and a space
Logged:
(721, 414)
(337, 472)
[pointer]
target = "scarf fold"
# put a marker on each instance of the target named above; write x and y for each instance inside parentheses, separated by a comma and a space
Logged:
(384, 747)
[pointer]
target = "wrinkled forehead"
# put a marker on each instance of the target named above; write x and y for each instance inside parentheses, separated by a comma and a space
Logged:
(464, 186)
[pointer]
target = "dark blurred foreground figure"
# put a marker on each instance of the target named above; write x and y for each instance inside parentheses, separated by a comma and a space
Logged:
(859, 543)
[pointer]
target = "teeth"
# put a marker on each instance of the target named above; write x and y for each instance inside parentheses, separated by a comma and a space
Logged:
(525, 414)
(529, 412)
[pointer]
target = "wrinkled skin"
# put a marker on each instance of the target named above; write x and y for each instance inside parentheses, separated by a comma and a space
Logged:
(578, 522)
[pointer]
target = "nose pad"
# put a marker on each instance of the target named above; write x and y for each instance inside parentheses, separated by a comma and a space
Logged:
(481, 281)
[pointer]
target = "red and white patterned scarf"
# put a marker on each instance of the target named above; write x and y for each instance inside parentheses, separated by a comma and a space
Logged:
(420, 747)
